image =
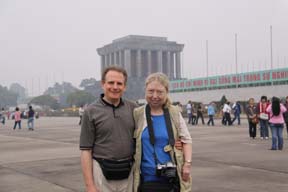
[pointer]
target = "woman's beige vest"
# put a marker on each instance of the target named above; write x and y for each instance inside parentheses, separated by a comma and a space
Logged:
(141, 123)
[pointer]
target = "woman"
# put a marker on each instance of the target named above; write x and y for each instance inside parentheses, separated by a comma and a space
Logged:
(276, 109)
(155, 159)
(263, 117)
(17, 118)
(286, 115)
(252, 118)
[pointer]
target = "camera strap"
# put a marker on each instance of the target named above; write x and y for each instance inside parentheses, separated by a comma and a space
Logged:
(169, 126)
(151, 128)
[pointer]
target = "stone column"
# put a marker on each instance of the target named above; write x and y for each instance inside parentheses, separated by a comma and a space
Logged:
(178, 65)
(172, 62)
(138, 63)
(102, 62)
(111, 59)
(159, 61)
(115, 58)
(168, 65)
(120, 59)
(149, 62)
(127, 61)
(107, 60)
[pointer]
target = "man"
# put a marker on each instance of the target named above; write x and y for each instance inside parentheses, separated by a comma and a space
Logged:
(2, 116)
(193, 111)
(227, 111)
(107, 134)
(199, 115)
(30, 122)
(211, 113)
(189, 111)
(237, 111)
(80, 112)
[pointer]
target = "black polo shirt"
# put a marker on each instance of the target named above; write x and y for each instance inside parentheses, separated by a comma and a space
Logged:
(108, 130)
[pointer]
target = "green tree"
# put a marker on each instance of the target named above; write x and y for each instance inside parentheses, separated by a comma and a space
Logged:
(61, 91)
(45, 100)
(79, 98)
(88, 82)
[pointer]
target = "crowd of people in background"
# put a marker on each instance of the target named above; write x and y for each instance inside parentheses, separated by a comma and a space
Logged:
(259, 114)
(263, 114)
(267, 114)
(17, 115)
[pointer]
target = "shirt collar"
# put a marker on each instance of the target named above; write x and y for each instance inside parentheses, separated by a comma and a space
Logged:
(109, 104)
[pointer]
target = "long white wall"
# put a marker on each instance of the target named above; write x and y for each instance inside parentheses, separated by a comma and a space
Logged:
(231, 94)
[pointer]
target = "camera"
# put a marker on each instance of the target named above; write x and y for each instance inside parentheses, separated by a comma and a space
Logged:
(166, 170)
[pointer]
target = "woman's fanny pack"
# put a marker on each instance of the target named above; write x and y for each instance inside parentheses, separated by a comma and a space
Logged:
(115, 169)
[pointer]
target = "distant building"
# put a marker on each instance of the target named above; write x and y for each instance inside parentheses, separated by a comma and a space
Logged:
(234, 86)
(142, 55)
(20, 91)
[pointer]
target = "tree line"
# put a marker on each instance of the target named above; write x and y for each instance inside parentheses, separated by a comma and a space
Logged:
(59, 96)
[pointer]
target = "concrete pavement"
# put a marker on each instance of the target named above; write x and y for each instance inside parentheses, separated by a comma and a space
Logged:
(224, 159)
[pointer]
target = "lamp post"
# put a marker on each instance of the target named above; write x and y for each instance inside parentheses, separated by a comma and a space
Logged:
(207, 63)
(236, 60)
(271, 48)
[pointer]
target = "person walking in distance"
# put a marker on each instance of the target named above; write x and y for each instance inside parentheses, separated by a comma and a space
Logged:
(227, 110)
(237, 111)
(17, 118)
(200, 115)
(193, 112)
(211, 113)
(189, 111)
(81, 112)
(30, 122)
(2, 116)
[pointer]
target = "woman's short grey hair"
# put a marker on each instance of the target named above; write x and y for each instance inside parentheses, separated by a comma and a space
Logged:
(163, 80)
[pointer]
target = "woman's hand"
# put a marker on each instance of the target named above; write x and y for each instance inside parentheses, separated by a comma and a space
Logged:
(92, 188)
(186, 171)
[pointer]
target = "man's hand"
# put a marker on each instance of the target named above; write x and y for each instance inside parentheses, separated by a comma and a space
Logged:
(178, 145)
(87, 170)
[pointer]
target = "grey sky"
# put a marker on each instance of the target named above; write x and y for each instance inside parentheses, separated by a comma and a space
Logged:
(46, 41)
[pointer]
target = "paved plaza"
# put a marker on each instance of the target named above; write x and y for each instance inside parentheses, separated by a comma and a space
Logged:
(224, 159)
